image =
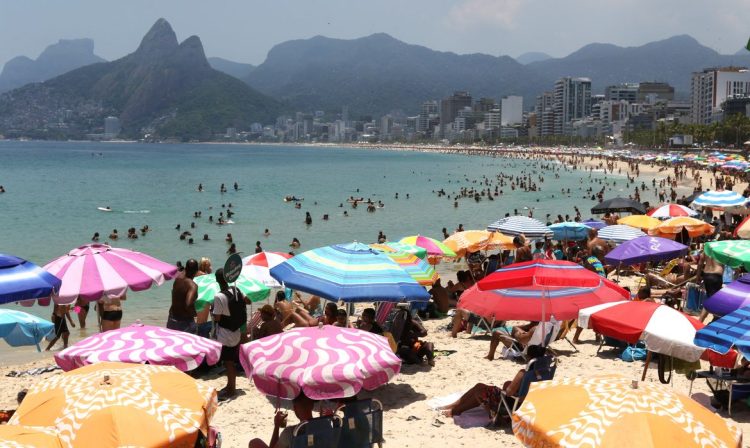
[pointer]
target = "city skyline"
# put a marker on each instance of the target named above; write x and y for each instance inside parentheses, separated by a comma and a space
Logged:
(246, 31)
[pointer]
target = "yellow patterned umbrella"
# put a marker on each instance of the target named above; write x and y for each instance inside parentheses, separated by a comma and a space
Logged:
(671, 227)
(606, 411)
(18, 436)
(642, 222)
(116, 404)
(476, 240)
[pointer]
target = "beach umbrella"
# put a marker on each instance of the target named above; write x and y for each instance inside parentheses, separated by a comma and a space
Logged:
(94, 271)
(663, 329)
(573, 231)
(476, 240)
(325, 362)
(618, 205)
(258, 266)
(140, 343)
(112, 404)
(350, 272)
(540, 273)
(643, 222)
(521, 225)
(674, 226)
(208, 287)
(619, 233)
(393, 246)
(732, 330)
(22, 280)
(611, 411)
(720, 200)
(19, 328)
(743, 229)
(595, 224)
(734, 253)
(418, 269)
(644, 249)
(19, 436)
(730, 297)
(433, 247)
(671, 211)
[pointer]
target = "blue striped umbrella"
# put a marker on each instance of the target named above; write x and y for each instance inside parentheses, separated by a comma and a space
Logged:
(350, 272)
(573, 231)
(19, 328)
(731, 330)
(720, 199)
(22, 280)
(620, 233)
(517, 225)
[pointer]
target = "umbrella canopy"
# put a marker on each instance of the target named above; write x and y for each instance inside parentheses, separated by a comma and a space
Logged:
(258, 266)
(540, 273)
(93, 271)
(323, 362)
(393, 246)
(418, 269)
(643, 222)
(22, 280)
(113, 404)
(720, 199)
(607, 412)
(432, 246)
(521, 225)
(538, 303)
(734, 253)
(618, 205)
(619, 233)
(730, 297)
(671, 211)
(673, 226)
(350, 272)
(731, 330)
(595, 224)
(743, 229)
(18, 436)
(19, 328)
(140, 343)
(574, 231)
(644, 249)
(476, 240)
(254, 290)
(663, 329)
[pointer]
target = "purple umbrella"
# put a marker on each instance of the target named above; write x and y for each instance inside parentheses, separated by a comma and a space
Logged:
(595, 224)
(645, 248)
(731, 297)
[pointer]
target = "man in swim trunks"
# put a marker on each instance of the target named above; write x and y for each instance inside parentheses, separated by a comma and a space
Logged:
(184, 293)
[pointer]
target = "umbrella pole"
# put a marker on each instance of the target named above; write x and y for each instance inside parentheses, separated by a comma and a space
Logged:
(645, 366)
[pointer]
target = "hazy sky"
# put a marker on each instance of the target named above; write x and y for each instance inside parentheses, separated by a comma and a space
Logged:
(244, 31)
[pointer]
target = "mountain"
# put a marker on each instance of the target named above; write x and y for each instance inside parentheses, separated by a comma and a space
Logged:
(237, 69)
(164, 88)
(532, 56)
(377, 74)
(55, 60)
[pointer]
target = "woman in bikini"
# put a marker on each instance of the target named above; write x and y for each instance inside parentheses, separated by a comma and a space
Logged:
(110, 312)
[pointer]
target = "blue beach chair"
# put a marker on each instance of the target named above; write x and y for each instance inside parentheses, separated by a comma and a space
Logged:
(363, 424)
(540, 369)
(321, 432)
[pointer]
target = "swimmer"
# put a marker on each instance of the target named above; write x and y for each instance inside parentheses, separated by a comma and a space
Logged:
(95, 237)
(205, 237)
(229, 239)
(177, 227)
(113, 235)
(200, 187)
(266, 232)
(295, 244)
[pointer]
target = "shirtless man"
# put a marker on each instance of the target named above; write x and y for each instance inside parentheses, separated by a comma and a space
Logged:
(596, 245)
(184, 292)
(711, 272)
(523, 251)
(269, 326)
(441, 297)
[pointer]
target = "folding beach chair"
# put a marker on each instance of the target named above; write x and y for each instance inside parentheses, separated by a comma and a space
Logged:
(540, 369)
(363, 424)
(545, 334)
(253, 323)
(321, 432)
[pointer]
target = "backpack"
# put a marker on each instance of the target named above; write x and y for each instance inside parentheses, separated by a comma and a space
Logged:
(237, 310)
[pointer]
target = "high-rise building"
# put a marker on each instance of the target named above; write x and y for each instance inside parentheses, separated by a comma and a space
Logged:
(492, 119)
(511, 108)
(627, 92)
(485, 105)
(650, 92)
(111, 127)
(449, 108)
(712, 87)
(572, 102)
(428, 115)
(545, 114)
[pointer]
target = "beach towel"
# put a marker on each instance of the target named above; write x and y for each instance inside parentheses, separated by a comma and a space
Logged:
(473, 418)
(439, 402)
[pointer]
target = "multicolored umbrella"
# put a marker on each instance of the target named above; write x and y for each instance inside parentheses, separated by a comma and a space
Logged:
(619, 233)
(19, 328)
(93, 271)
(674, 226)
(350, 272)
(258, 266)
(643, 222)
(734, 253)
(609, 412)
(19, 436)
(324, 362)
(671, 211)
(140, 343)
(111, 404)
(572, 231)
(477, 240)
(731, 330)
(393, 246)
(644, 249)
(720, 200)
(521, 225)
(254, 290)
(730, 297)
(421, 271)
(743, 229)
(618, 205)
(540, 273)
(23, 280)
(595, 224)
(432, 246)
(663, 329)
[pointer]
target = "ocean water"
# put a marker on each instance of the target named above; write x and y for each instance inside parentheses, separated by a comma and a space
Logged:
(54, 189)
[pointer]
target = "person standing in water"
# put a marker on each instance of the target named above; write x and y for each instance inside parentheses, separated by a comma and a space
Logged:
(59, 315)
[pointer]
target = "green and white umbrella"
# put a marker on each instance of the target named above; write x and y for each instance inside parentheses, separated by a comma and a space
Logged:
(207, 289)
(734, 253)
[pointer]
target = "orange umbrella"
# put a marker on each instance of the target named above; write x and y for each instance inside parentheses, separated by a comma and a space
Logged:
(24, 437)
(112, 404)
(671, 227)
(476, 240)
(642, 222)
(606, 411)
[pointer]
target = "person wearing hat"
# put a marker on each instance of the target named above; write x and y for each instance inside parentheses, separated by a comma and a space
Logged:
(269, 324)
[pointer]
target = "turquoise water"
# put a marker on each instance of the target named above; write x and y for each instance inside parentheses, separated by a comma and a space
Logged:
(54, 189)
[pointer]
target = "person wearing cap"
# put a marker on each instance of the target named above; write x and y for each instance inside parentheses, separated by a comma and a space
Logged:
(269, 326)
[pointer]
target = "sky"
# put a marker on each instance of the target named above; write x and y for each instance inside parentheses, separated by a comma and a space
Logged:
(245, 30)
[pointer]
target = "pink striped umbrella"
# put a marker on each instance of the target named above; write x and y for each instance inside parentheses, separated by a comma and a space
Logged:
(94, 271)
(671, 211)
(258, 267)
(141, 344)
(325, 362)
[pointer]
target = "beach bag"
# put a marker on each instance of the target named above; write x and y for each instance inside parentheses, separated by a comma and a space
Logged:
(237, 311)
(633, 353)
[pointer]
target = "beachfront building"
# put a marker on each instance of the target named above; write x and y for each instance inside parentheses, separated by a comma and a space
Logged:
(545, 114)
(712, 87)
(449, 108)
(511, 108)
(652, 92)
(572, 101)
(622, 92)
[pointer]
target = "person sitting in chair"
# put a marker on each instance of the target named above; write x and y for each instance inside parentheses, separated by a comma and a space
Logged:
(303, 409)
(521, 333)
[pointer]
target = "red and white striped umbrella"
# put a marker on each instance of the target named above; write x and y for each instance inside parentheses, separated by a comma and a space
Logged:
(743, 229)
(258, 267)
(671, 211)
(94, 271)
